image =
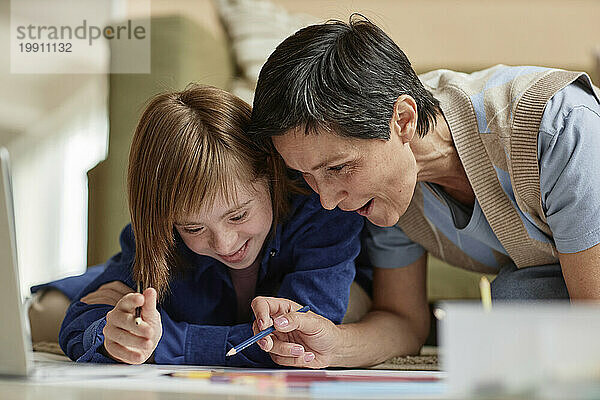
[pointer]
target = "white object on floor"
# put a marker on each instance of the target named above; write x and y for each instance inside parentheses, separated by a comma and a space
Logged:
(519, 347)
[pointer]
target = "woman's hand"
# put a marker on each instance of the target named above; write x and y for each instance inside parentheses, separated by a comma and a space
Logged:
(301, 339)
(123, 339)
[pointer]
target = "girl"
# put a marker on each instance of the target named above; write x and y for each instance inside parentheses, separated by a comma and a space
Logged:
(215, 221)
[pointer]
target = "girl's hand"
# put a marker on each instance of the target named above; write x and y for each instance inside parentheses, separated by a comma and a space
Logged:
(301, 339)
(123, 339)
(109, 293)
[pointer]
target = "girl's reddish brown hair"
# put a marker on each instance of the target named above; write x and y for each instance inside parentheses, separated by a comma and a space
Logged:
(189, 148)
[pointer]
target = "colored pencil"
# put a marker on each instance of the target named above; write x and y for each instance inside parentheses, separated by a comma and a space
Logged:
(138, 310)
(486, 293)
(257, 337)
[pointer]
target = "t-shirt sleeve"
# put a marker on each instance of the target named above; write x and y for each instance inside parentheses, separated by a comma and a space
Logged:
(569, 157)
(389, 247)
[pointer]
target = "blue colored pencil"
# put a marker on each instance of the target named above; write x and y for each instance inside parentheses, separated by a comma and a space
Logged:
(258, 336)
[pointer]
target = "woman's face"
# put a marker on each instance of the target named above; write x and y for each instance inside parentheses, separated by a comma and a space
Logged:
(374, 177)
(231, 232)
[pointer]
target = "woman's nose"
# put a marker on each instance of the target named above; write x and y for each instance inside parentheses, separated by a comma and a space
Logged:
(330, 196)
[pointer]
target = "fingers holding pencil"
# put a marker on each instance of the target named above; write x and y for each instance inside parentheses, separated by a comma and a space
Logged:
(124, 339)
(260, 335)
(265, 308)
(316, 336)
(123, 314)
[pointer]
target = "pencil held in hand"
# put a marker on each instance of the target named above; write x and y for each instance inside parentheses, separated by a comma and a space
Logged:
(138, 310)
(258, 336)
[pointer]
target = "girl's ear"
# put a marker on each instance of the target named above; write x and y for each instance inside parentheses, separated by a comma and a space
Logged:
(404, 118)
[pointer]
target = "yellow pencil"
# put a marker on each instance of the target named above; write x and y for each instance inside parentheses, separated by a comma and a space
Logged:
(192, 374)
(486, 293)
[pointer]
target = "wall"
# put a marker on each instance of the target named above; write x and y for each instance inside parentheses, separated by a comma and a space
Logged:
(458, 34)
(471, 34)
(181, 52)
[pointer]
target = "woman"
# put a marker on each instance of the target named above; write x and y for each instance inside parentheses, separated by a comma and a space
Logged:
(494, 171)
(215, 220)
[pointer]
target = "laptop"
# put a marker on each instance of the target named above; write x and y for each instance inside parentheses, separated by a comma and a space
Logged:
(16, 356)
(14, 346)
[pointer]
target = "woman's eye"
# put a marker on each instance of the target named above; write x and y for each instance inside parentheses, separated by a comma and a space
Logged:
(239, 217)
(337, 168)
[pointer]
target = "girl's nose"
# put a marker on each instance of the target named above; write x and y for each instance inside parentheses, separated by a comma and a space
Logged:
(224, 242)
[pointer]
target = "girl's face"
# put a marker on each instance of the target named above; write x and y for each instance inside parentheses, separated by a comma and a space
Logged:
(231, 232)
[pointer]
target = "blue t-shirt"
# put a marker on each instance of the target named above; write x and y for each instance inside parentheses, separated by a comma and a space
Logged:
(568, 154)
(309, 259)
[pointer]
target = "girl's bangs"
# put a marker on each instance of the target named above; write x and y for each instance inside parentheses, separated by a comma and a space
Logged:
(218, 176)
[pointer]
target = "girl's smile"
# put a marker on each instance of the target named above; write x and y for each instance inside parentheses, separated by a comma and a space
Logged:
(232, 232)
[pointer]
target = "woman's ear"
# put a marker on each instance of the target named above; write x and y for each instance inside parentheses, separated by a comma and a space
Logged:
(404, 118)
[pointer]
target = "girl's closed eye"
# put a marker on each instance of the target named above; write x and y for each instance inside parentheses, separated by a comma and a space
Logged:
(194, 231)
(239, 217)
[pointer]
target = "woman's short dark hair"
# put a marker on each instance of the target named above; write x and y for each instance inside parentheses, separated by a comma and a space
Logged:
(337, 76)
